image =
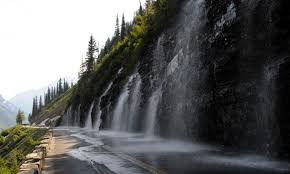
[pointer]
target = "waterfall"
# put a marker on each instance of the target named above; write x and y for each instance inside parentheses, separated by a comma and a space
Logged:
(71, 117)
(99, 110)
(152, 113)
(177, 75)
(134, 103)
(77, 116)
(89, 124)
(119, 113)
(212, 75)
(267, 126)
(127, 107)
(67, 117)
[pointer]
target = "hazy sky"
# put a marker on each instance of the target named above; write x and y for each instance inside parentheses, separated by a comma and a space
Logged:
(42, 40)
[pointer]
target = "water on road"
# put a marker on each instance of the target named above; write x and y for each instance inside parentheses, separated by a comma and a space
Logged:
(133, 153)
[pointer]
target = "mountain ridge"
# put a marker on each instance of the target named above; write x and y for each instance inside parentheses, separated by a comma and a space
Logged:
(24, 99)
(7, 113)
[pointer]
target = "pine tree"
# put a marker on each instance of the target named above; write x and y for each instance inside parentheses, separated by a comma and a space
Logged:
(82, 68)
(57, 89)
(48, 95)
(123, 27)
(64, 85)
(36, 105)
(97, 60)
(33, 107)
(45, 99)
(117, 30)
(54, 92)
(20, 117)
(30, 118)
(40, 104)
(90, 59)
(140, 9)
(108, 46)
(60, 87)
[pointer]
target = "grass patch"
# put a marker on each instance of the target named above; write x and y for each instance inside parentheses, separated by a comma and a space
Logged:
(15, 144)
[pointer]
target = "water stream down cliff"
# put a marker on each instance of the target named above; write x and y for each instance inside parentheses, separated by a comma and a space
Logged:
(219, 74)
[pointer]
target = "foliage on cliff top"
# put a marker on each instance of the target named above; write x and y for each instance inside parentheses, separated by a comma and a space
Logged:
(125, 52)
(60, 101)
(119, 53)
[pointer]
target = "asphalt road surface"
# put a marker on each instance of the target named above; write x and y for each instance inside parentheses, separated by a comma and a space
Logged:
(88, 151)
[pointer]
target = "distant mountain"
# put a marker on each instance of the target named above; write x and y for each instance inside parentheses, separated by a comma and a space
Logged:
(7, 113)
(24, 100)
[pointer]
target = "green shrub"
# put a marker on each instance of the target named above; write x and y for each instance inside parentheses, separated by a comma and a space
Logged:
(3, 167)
(20, 141)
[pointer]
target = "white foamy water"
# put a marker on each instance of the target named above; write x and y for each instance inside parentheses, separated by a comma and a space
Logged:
(110, 160)
(132, 143)
(120, 109)
(152, 112)
(99, 111)
(87, 139)
(89, 124)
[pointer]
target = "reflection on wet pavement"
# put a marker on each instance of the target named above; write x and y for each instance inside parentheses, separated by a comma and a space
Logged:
(127, 153)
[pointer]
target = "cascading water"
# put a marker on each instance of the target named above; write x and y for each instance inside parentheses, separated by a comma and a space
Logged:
(152, 113)
(127, 107)
(134, 102)
(206, 80)
(203, 81)
(177, 75)
(66, 119)
(121, 108)
(99, 110)
(71, 117)
(89, 124)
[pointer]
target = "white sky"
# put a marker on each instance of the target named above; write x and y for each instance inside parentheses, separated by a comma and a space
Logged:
(42, 40)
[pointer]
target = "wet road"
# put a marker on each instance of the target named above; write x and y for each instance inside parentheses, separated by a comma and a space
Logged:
(128, 153)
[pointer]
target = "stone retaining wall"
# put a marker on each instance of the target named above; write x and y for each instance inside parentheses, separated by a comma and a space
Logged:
(34, 162)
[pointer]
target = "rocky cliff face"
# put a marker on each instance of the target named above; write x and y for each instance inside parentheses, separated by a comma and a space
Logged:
(220, 73)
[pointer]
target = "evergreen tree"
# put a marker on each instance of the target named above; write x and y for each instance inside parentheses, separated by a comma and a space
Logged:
(140, 12)
(60, 87)
(45, 99)
(123, 27)
(20, 117)
(64, 85)
(117, 30)
(33, 107)
(82, 68)
(57, 89)
(30, 118)
(90, 59)
(40, 103)
(54, 92)
(108, 46)
(48, 95)
(97, 54)
(128, 28)
(36, 105)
